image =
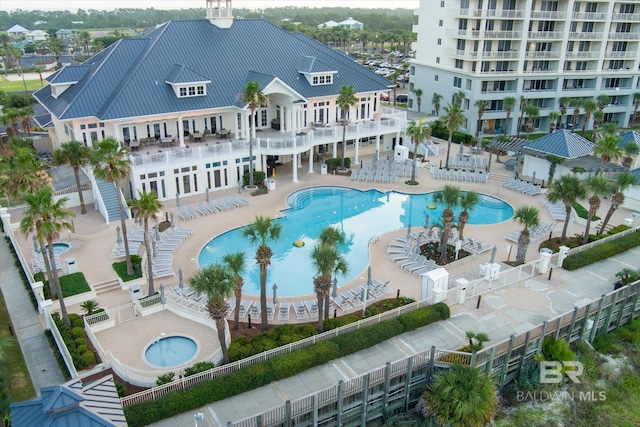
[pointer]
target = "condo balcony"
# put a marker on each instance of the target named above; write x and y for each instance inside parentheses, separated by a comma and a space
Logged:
(589, 16)
(586, 36)
(543, 14)
(581, 55)
(544, 35)
(626, 17)
(550, 54)
(624, 36)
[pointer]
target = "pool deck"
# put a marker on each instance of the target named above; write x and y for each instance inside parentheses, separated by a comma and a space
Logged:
(92, 241)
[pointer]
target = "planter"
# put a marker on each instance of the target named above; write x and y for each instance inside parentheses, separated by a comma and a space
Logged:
(75, 299)
(126, 285)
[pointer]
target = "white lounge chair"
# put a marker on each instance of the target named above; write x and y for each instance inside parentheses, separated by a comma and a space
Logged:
(244, 307)
(300, 310)
(283, 311)
(312, 306)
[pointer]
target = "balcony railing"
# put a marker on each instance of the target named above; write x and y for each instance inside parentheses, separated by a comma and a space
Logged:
(585, 36)
(589, 16)
(547, 54)
(497, 34)
(572, 88)
(496, 72)
(511, 54)
(625, 17)
(624, 36)
(531, 89)
(589, 71)
(620, 54)
(581, 55)
(544, 35)
(616, 88)
(539, 14)
(489, 91)
(540, 71)
(618, 70)
(498, 13)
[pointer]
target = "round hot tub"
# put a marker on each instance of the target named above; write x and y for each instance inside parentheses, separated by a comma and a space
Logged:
(170, 351)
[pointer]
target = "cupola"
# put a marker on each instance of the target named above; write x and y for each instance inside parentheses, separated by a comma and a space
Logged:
(220, 13)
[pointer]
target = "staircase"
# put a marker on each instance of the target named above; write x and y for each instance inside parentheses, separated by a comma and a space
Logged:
(428, 149)
(106, 286)
(110, 194)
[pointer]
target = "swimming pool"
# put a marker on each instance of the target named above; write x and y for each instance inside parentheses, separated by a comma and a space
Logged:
(58, 248)
(170, 351)
(362, 215)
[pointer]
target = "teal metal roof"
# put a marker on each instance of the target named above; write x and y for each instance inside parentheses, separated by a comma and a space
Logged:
(70, 74)
(182, 74)
(127, 79)
(630, 136)
(562, 143)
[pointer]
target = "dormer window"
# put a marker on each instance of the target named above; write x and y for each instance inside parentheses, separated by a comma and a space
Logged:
(187, 83)
(322, 80)
(189, 91)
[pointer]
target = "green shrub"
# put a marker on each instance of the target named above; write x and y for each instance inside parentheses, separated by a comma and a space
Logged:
(557, 350)
(165, 378)
(77, 332)
(121, 388)
(418, 318)
(337, 322)
(121, 268)
(583, 212)
(197, 368)
(81, 349)
(442, 309)
(603, 251)
(334, 163)
(80, 341)
(74, 284)
(73, 317)
(258, 178)
(280, 335)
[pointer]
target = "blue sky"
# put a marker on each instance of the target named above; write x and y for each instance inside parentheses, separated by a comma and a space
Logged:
(72, 5)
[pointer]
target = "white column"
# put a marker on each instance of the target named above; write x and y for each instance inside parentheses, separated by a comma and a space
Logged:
(253, 128)
(311, 160)
(294, 168)
(264, 163)
(378, 144)
(291, 125)
(335, 149)
(356, 144)
(282, 119)
(181, 131)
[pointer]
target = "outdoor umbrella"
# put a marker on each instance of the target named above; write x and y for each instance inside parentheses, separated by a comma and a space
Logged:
(157, 232)
(533, 177)
(180, 278)
(408, 231)
(461, 150)
(163, 300)
(178, 199)
(426, 222)
(275, 293)
(493, 255)
(35, 244)
(206, 194)
(173, 224)
(119, 238)
(154, 249)
(334, 292)
(369, 281)
(239, 187)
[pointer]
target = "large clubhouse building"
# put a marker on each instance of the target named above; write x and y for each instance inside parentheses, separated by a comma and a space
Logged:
(175, 98)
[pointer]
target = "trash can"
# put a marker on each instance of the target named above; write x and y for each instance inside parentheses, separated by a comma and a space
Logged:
(271, 184)
(135, 292)
(72, 266)
(323, 169)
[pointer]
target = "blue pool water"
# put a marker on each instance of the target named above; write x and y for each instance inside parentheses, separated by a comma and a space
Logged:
(171, 351)
(362, 215)
(58, 248)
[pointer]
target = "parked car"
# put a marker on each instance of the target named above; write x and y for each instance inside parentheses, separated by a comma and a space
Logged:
(402, 98)
(384, 97)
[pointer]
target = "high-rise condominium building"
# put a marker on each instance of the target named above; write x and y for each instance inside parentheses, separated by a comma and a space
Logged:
(546, 52)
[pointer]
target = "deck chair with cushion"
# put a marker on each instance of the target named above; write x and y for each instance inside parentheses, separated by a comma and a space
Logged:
(283, 311)
(300, 310)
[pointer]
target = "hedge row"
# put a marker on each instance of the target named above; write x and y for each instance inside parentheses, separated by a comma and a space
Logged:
(280, 367)
(604, 251)
(334, 163)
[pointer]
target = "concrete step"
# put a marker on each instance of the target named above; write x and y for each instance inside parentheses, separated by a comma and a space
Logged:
(106, 286)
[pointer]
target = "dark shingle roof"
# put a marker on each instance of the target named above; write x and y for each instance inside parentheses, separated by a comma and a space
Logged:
(127, 79)
(562, 143)
(630, 136)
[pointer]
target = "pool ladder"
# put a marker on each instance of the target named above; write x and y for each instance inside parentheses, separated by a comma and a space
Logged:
(373, 240)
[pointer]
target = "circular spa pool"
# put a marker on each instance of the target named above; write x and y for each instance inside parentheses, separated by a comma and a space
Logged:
(362, 215)
(59, 248)
(170, 351)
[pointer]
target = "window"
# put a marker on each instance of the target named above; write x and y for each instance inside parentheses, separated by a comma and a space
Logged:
(459, 63)
(619, 47)
(591, 7)
(506, 25)
(187, 91)
(461, 44)
(623, 27)
(437, 59)
(442, 3)
(457, 82)
(192, 90)
(509, 4)
(321, 80)
(570, 46)
(587, 27)
(468, 84)
(462, 25)
(504, 45)
(627, 8)
(439, 42)
(584, 46)
(549, 6)
(546, 26)
(440, 23)
(435, 77)
(581, 65)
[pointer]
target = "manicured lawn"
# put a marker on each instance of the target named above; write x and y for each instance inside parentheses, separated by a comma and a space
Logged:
(20, 386)
(17, 86)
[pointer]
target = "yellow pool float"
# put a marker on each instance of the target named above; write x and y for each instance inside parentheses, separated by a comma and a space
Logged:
(298, 243)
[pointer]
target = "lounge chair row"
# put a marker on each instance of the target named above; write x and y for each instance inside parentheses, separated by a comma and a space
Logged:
(471, 162)
(557, 210)
(522, 186)
(218, 204)
(535, 233)
(37, 264)
(475, 246)
(461, 175)
(118, 250)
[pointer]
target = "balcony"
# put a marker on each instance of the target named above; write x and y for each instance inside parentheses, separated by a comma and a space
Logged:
(589, 16)
(576, 88)
(497, 91)
(624, 36)
(545, 35)
(462, 12)
(618, 70)
(578, 71)
(585, 36)
(531, 89)
(540, 71)
(498, 13)
(497, 34)
(547, 54)
(510, 54)
(620, 54)
(495, 72)
(634, 17)
(539, 14)
(581, 55)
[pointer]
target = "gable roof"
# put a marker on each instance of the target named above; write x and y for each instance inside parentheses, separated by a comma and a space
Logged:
(127, 79)
(309, 64)
(561, 143)
(72, 405)
(17, 29)
(183, 74)
(630, 136)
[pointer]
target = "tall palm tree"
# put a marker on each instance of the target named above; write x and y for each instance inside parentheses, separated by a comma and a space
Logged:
(532, 112)
(553, 121)
(597, 186)
(111, 164)
(435, 101)
(217, 282)
(418, 132)
(554, 161)
(146, 207)
(23, 172)
(345, 101)
(576, 103)
(629, 150)
(598, 117)
(449, 196)
(468, 201)
(590, 107)
(253, 97)
(623, 182)
(607, 148)
(564, 103)
(481, 105)
(6, 42)
(333, 237)
(453, 119)
(528, 217)
(236, 263)
(418, 94)
(568, 189)
(25, 116)
(260, 233)
(459, 96)
(603, 101)
(77, 155)
(523, 104)
(508, 103)
(47, 219)
(462, 397)
(326, 260)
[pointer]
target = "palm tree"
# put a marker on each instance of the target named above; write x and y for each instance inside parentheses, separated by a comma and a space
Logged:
(553, 121)
(346, 100)
(217, 282)
(629, 149)
(235, 262)
(47, 219)
(597, 186)
(598, 117)
(111, 164)
(607, 148)
(603, 101)
(449, 196)
(554, 161)
(461, 397)
(568, 189)
(459, 96)
(146, 207)
(25, 116)
(333, 237)
(253, 97)
(6, 42)
(468, 201)
(327, 260)
(260, 233)
(589, 106)
(576, 103)
(564, 103)
(523, 104)
(23, 172)
(77, 155)
(481, 105)
(532, 112)
(508, 103)
(418, 132)
(393, 77)
(418, 94)
(623, 182)
(435, 100)
(453, 119)
(528, 217)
